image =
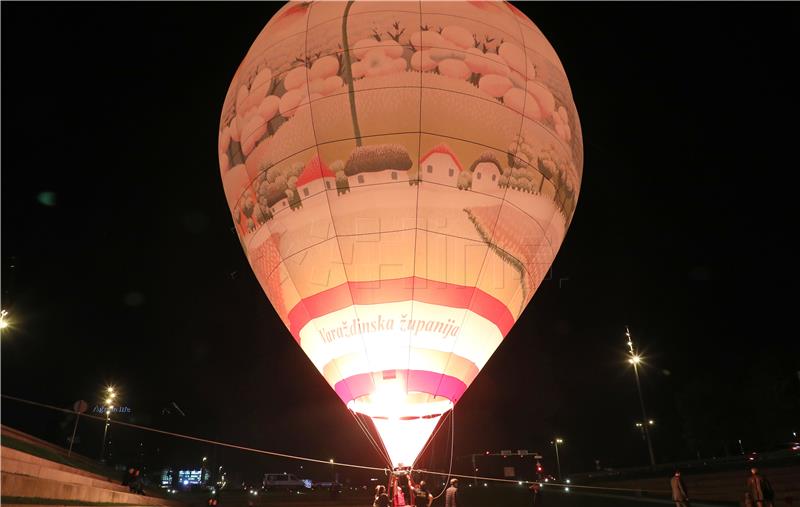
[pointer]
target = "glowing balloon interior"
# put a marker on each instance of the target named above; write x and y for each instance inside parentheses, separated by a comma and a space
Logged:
(401, 176)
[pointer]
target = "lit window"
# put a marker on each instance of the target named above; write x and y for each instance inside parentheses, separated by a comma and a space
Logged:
(305, 191)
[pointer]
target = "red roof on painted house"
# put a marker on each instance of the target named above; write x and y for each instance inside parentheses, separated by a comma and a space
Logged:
(314, 169)
(442, 148)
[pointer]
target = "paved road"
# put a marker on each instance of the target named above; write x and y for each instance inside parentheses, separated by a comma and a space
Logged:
(559, 498)
(482, 497)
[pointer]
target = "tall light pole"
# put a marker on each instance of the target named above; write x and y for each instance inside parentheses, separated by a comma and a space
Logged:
(111, 394)
(557, 441)
(333, 470)
(635, 359)
(475, 470)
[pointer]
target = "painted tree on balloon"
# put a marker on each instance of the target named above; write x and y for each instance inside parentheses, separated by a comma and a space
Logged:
(529, 170)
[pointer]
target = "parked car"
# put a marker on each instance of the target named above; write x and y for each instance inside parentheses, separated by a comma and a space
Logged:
(285, 481)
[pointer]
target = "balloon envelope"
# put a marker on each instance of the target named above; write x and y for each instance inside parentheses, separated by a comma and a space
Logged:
(401, 176)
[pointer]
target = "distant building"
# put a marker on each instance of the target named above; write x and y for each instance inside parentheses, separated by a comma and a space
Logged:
(167, 478)
(440, 165)
(193, 477)
(315, 178)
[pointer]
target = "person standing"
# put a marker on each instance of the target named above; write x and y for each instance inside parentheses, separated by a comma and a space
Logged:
(679, 495)
(536, 489)
(450, 498)
(422, 497)
(381, 498)
(760, 489)
(128, 477)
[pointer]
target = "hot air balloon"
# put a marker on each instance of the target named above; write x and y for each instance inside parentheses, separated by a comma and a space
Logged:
(401, 176)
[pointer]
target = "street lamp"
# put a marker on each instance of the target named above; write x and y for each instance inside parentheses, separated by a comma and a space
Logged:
(111, 393)
(558, 462)
(333, 470)
(635, 359)
(641, 426)
(3, 319)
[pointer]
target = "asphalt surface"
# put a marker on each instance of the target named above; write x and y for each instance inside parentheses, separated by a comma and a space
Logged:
(468, 497)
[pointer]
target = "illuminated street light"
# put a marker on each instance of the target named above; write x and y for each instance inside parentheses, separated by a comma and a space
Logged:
(111, 393)
(556, 442)
(635, 359)
(4, 319)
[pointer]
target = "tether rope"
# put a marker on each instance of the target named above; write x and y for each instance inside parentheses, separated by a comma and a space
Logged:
(448, 474)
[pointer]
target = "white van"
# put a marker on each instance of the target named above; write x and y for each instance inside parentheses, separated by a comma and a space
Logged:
(285, 481)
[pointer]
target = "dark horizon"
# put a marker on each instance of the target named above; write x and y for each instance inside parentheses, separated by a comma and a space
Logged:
(129, 272)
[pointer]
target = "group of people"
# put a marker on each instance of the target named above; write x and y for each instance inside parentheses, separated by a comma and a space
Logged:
(758, 490)
(419, 494)
(758, 493)
(134, 480)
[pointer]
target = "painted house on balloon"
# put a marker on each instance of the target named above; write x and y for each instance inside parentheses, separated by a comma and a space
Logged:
(440, 165)
(486, 172)
(315, 178)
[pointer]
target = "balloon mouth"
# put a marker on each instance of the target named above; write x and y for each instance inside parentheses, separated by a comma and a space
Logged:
(390, 400)
(404, 420)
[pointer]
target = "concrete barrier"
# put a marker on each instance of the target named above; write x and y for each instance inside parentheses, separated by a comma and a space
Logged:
(33, 487)
(34, 465)
(15, 466)
(27, 476)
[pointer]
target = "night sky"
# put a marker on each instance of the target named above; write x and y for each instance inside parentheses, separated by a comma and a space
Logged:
(128, 271)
